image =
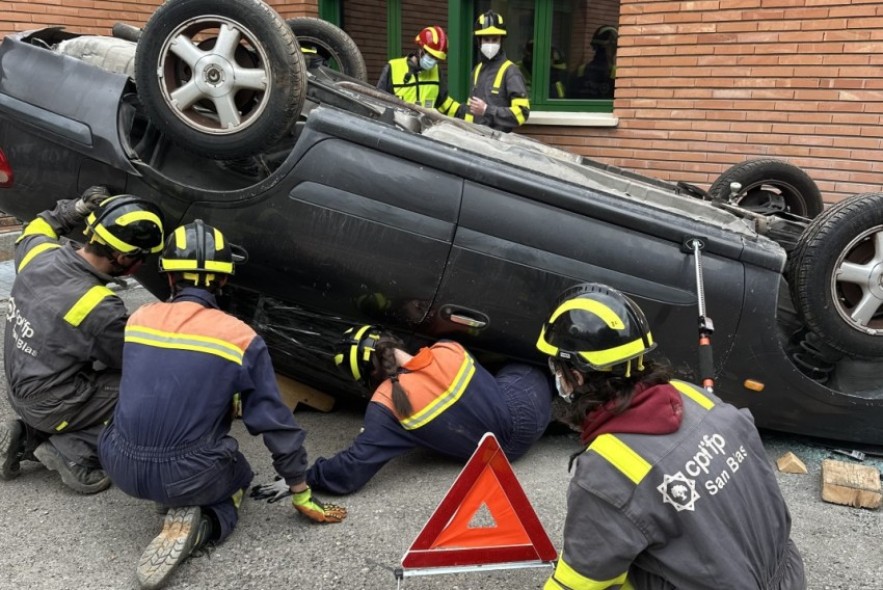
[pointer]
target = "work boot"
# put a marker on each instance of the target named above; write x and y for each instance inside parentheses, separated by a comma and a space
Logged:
(184, 530)
(75, 476)
(11, 449)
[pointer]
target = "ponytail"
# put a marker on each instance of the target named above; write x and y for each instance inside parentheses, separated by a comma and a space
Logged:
(387, 368)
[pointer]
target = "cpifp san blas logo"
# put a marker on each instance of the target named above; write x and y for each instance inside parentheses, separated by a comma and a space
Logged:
(21, 328)
(711, 468)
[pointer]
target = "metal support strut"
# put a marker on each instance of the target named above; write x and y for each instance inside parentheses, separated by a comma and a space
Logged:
(706, 326)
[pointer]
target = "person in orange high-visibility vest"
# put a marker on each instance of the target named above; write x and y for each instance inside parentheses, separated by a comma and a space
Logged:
(440, 399)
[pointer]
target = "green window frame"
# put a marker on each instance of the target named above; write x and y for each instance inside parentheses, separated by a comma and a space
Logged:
(461, 16)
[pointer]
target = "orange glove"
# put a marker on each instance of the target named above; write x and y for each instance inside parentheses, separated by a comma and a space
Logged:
(316, 510)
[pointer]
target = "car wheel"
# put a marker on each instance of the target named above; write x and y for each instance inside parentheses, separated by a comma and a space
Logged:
(836, 276)
(337, 48)
(222, 78)
(769, 187)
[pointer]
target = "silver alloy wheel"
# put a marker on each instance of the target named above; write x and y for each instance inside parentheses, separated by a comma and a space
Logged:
(221, 96)
(857, 285)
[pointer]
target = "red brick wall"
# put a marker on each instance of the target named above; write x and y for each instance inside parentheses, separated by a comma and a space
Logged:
(705, 84)
(365, 22)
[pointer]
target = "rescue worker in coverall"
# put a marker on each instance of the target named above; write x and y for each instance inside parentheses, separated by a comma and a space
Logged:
(184, 361)
(417, 78)
(498, 97)
(673, 489)
(64, 332)
(440, 399)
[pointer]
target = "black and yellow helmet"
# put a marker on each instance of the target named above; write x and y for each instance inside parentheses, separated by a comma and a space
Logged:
(594, 328)
(490, 24)
(355, 351)
(128, 224)
(200, 252)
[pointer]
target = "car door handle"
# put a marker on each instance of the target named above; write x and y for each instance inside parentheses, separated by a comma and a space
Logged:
(465, 317)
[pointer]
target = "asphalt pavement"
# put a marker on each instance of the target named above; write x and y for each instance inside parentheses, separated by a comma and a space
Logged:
(54, 539)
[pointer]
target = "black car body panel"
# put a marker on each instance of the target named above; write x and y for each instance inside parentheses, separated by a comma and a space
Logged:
(449, 232)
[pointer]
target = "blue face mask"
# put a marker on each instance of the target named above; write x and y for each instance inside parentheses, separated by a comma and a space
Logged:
(427, 62)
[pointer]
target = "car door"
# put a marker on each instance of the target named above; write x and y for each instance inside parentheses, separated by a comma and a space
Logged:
(514, 254)
(352, 231)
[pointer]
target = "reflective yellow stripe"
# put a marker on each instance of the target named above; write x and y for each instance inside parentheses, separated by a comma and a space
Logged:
(172, 340)
(442, 402)
(354, 353)
(84, 306)
(61, 426)
(469, 118)
(38, 227)
(39, 248)
(210, 265)
(621, 456)
(567, 578)
(498, 81)
(237, 498)
(693, 393)
(181, 238)
(517, 108)
(475, 74)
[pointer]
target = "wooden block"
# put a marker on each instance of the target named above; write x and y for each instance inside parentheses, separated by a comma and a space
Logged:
(790, 463)
(294, 392)
(851, 484)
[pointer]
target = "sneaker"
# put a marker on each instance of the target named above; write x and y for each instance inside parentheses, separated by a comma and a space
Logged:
(78, 478)
(11, 447)
(184, 530)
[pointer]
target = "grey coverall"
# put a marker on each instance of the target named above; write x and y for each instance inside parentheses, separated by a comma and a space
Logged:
(500, 84)
(63, 341)
(698, 509)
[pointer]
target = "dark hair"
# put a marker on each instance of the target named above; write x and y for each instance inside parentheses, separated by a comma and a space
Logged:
(386, 367)
(601, 387)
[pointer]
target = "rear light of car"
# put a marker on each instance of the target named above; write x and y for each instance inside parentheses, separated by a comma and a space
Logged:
(6, 176)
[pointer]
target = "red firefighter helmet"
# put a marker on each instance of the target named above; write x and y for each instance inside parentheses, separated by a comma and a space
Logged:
(434, 41)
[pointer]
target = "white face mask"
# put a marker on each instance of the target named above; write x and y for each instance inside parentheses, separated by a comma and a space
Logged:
(427, 62)
(489, 50)
(559, 385)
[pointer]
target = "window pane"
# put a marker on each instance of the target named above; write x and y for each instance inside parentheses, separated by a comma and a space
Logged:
(518, 16)
(584, 33)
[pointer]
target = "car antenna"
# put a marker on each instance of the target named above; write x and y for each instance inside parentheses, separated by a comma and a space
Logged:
(706, 326)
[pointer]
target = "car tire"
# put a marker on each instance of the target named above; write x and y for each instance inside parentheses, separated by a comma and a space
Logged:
(836, 276)
(768, 187)
(337, 48)
(237, 100)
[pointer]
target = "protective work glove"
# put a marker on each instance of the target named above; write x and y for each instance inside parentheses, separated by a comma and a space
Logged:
(271, 492)
(91, 198)
(316, 510)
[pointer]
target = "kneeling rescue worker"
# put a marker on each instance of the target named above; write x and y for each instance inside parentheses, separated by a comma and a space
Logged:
(169, 441)
(674, 489)
(64, 332)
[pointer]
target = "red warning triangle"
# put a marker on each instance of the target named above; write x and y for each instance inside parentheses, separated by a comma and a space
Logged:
(486, 482)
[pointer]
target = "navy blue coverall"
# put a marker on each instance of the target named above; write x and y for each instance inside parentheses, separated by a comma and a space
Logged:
(169, 442)
(456, 401)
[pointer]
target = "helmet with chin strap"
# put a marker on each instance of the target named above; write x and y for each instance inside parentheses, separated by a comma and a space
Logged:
(355, 351)
(127, 224)
(490, 24)
(200, 253)
(433, 41)
(596, 328)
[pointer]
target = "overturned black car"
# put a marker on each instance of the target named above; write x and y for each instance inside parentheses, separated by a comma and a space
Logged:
(355, 207)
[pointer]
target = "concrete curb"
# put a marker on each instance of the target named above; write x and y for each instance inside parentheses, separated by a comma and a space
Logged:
(7, 244)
